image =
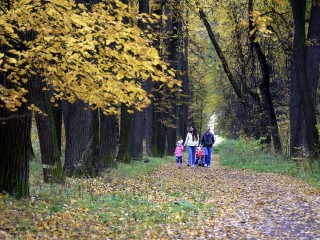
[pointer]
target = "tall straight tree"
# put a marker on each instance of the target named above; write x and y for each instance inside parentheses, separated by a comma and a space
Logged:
(183, 73)
(303, 132)
(125, 141)
(138, 121)
(158, 128)
(313, 50)
(171, 43)
(148, 111)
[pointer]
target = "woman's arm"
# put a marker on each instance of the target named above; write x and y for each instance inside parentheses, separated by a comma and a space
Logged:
(187, 139)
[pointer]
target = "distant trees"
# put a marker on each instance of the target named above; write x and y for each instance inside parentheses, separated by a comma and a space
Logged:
(273, 70)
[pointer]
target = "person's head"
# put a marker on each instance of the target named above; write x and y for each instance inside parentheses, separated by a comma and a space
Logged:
(179, 143)
(208, 129)
(193, 130)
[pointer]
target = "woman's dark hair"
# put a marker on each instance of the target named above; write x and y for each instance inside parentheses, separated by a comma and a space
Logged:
(194, 134)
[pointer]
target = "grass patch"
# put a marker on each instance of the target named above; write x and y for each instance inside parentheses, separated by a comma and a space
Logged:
(138, 168)
(126, 202)
(245, 154)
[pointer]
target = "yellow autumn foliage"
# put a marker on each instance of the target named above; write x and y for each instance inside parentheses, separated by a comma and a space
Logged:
(91, 55)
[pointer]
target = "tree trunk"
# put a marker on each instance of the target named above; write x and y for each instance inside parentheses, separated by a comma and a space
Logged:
(57, 115)
(183, 75)
(313, 50)
(174, 48)
(78, 129)
(223, 60)
(14, 150)
(124, 154)
(303, 132)
(158, 131)
(137, 129)
(107, 142)
(137, 136)
(48, 138)
(148, 111)
(159, 139)
(265, 86)
(95, 163)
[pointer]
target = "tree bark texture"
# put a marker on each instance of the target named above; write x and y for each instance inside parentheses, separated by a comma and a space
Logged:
(107, 141)
(95, 163)
(159, 138)
(138, 119)
(14, 153)
(183, 75)
(313, 50)
(124, 154)
(137, 136)
(14, 148)
(78, 130)
(158, 131)
(46, 127)
(148, 112)
(303, 132)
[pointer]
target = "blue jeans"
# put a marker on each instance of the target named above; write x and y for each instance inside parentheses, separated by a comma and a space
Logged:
(179, 160)
(192, 155)
(207, 155)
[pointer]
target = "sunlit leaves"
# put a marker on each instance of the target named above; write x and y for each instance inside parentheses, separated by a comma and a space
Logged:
(89, 55)
(260, 23)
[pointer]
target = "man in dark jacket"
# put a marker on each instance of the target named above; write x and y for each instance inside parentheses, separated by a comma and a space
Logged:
(207, 141)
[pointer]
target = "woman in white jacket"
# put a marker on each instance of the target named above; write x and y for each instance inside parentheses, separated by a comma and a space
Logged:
(192, 141)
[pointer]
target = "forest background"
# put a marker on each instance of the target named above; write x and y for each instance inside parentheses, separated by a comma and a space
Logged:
(102, 82)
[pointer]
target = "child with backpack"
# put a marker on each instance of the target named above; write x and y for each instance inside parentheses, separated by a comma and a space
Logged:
(179, 153)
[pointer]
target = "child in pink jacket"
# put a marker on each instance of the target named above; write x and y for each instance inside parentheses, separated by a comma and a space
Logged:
(179, 152)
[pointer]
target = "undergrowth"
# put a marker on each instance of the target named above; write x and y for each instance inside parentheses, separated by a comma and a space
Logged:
(114, 203)
(247, 154)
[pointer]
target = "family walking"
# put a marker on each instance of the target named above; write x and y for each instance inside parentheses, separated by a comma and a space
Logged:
(192, 142)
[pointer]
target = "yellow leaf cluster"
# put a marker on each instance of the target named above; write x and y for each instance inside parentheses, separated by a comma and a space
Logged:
(260, 23)
(89, 55)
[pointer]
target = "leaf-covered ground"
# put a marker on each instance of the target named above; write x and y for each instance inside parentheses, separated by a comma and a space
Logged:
(171, 203)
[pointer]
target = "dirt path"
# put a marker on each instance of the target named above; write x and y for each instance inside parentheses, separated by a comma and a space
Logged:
(249, 205)
(171, 203)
